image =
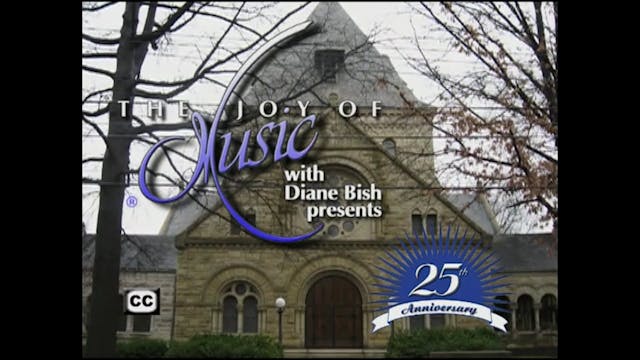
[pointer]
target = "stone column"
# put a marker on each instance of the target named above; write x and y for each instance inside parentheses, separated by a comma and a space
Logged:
(536, 309)
(216, 319)
(239, 310)
(514, 328)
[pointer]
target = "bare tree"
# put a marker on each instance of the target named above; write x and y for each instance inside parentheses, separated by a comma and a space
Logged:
(129, 51)
(500, 118)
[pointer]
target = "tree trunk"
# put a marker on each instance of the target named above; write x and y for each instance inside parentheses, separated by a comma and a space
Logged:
(103, 321)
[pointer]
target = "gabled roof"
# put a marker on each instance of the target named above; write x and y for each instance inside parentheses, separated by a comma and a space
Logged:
(139, 252)
(292, 68)
(187, 211)
(364, 79)
(471, 205)
(526, 252)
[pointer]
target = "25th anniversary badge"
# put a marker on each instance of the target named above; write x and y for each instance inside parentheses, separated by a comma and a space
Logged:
(432, 274)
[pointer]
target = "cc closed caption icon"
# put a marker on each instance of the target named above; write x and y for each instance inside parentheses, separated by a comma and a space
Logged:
(143, 301)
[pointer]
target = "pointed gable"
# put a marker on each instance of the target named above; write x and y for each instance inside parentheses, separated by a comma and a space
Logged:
(296, 71)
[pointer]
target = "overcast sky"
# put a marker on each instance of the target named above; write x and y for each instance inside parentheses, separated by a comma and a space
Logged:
(180, 53)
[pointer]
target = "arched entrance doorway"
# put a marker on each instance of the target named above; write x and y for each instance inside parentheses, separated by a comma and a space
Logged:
(333, 316)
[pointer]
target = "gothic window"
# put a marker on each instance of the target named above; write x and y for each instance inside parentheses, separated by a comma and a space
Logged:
(389, 146)
(548, 313)
(240, 308)
(416, 223)
(525, 314)
(251, 217)
(432, 224)
(230, 314)
(250, 315)
(328, 62)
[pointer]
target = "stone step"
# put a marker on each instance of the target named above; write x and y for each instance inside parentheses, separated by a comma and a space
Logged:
(334, 353)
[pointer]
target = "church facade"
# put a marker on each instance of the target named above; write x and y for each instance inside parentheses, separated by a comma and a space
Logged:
(228, 281)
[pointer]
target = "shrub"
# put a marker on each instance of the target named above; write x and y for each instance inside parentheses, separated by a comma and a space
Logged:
(226, 346)
(422, 342)
(142, 348)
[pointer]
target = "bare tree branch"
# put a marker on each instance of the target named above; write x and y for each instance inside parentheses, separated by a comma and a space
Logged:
(97, 129)
(99, 55)
(164, 28)
(98, 71)
(204, 70)
(99, 7)
(100, 41)
(92, 159)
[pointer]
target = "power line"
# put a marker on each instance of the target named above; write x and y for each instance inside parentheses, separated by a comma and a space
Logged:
(349, 136)
(376, 42)
(246, 186)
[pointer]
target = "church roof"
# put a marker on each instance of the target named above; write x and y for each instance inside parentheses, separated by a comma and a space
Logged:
(365, 78)
(526, 252)
(146, 253)
(292, 69)
(185, 213)
(471, 205)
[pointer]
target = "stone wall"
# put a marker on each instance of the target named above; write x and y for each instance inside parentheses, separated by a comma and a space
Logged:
(161, 325)
(287, 271)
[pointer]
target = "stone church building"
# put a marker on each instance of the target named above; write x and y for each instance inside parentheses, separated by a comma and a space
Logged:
(227, 281)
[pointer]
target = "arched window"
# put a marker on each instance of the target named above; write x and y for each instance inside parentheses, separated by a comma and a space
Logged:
(548, 313)
(230, 315)
(251, 217)
(416, 222)
(432, 223)
(240, 319)
(525, 313)
(503, 309)
(389, 146)
(250, 315)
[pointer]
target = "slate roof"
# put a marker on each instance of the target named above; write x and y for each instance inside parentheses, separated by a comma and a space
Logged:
(186, 212)
(472, 207)
(365, 76)
(526, 252)
(145, 253)
(360, 82)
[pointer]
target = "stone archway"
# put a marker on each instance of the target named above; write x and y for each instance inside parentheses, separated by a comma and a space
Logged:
(333, 313)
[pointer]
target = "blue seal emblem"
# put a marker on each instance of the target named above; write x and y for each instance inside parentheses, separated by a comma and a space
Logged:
(435, 274)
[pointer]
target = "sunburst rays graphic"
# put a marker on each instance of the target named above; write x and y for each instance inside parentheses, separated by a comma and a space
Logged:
(425, 267)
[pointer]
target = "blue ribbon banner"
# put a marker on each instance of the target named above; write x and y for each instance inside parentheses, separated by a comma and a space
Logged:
(426, 307)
